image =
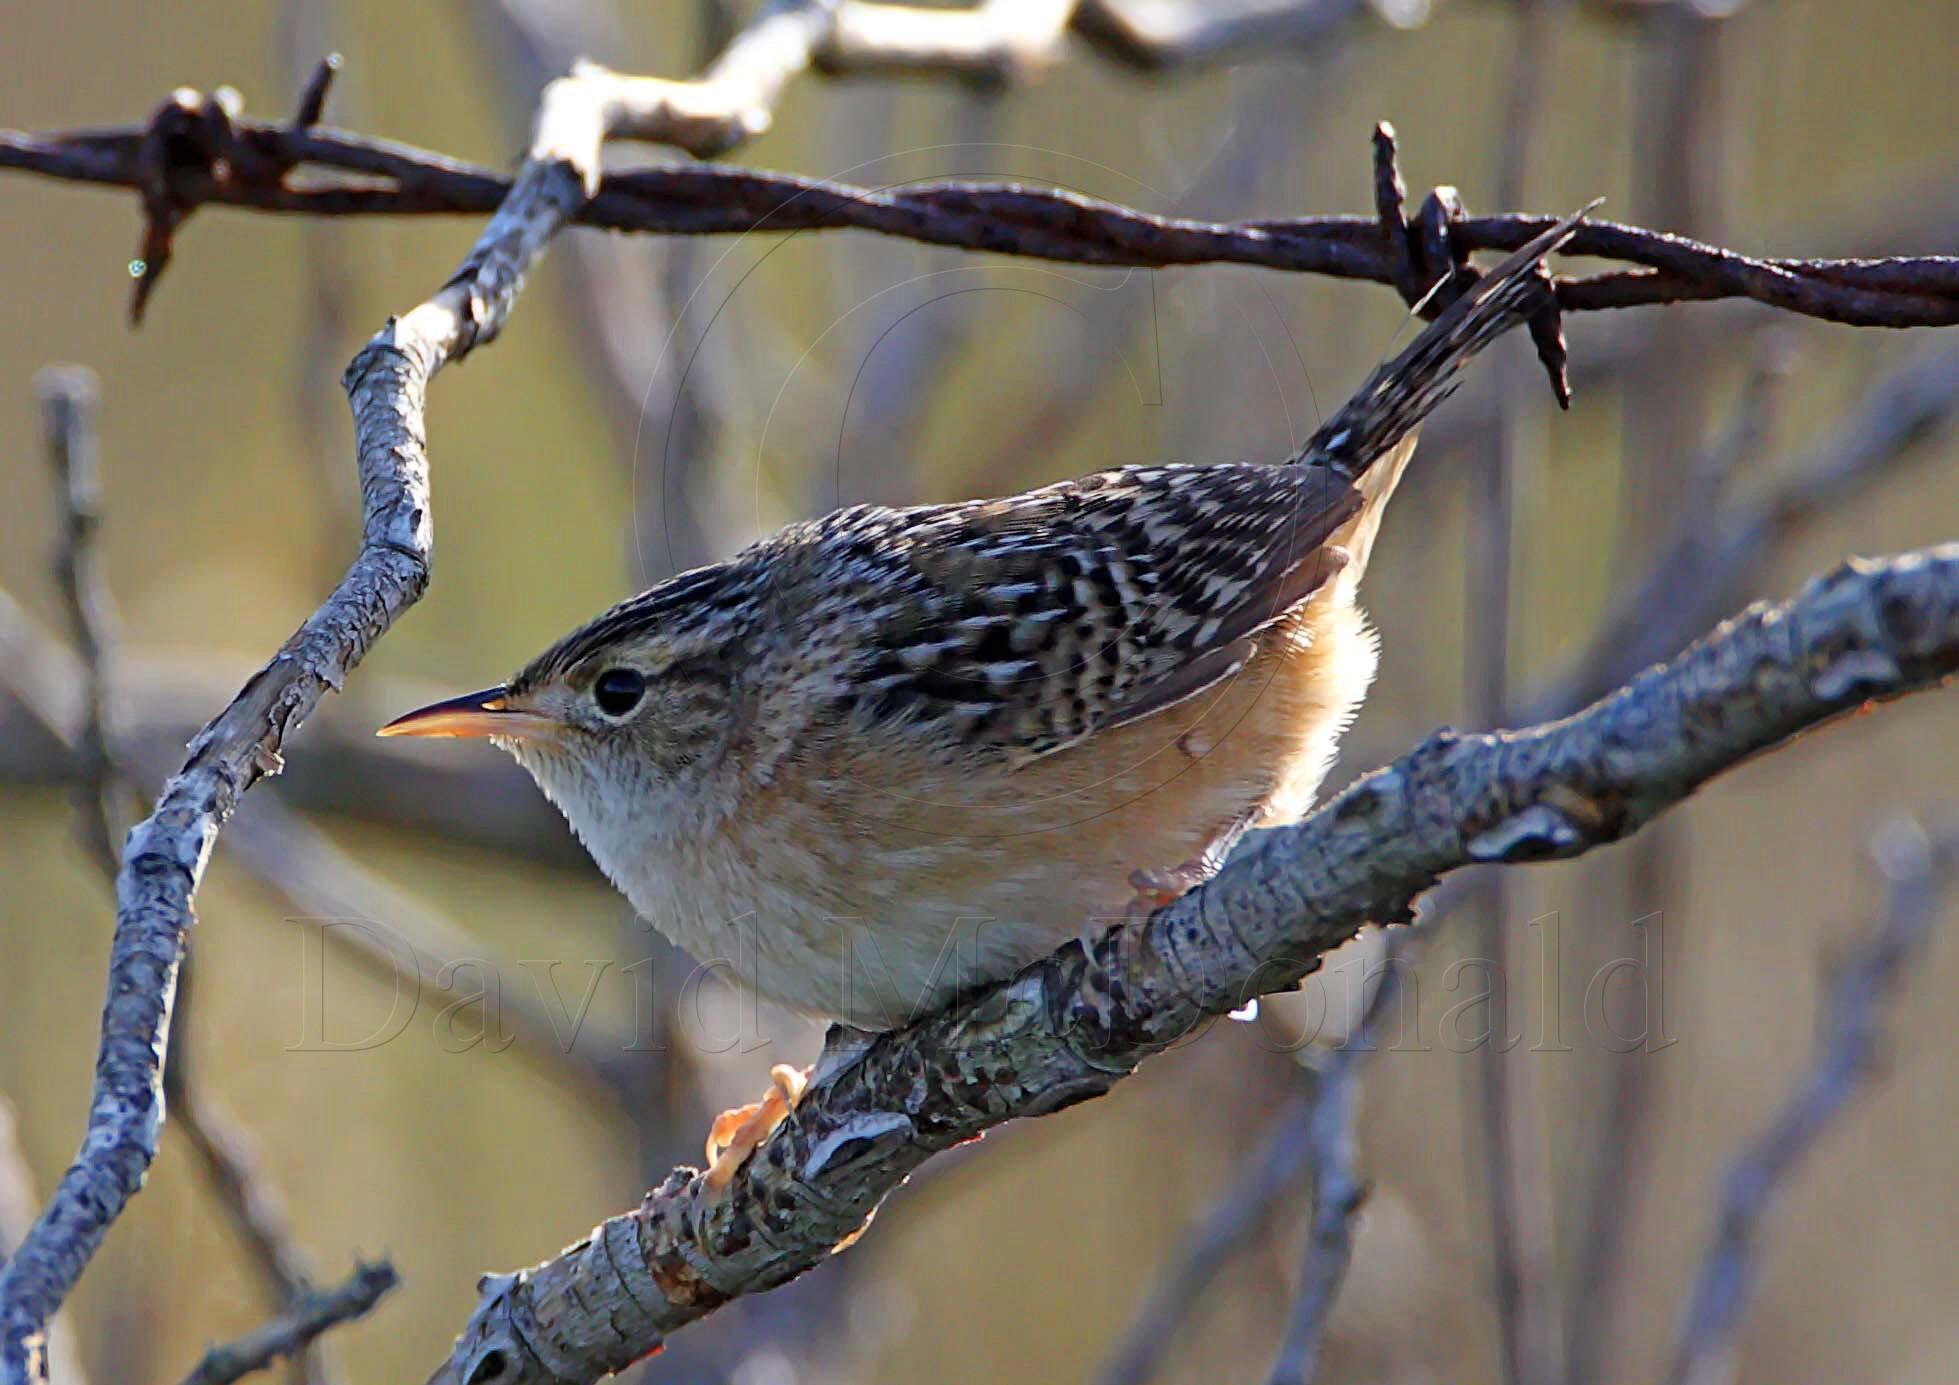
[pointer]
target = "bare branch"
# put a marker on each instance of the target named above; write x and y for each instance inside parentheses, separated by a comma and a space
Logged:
(995, 40)
(1337, 1189)
(1848, 1055)
(1068, 1028)
(315, 1313)
(69, 396)
(17, 1203)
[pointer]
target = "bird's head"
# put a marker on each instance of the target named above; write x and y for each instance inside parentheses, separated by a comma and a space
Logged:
(627, 724)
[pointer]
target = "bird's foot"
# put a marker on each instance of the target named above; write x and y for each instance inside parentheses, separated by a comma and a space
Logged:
(739, 1133)
(1156, 888)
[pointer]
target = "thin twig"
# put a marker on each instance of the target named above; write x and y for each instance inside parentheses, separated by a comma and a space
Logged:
(299, 1326)
(1848, 1057)
(228, 1155)
(69, 397)
(1267, 1175)
(1337, 1190)
(1293, 1147)
(327, 286)
(1677, 164)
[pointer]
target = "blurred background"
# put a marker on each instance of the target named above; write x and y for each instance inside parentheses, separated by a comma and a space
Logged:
(451, 1042)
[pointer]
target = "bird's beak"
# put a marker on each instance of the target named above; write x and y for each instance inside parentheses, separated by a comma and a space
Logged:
(485, 713)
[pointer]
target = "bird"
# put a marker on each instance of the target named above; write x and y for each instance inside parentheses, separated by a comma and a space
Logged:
(883, 757)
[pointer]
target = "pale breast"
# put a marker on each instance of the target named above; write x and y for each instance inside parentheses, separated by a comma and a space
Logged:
(872, 888)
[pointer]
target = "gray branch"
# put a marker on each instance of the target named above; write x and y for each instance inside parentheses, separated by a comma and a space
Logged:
(1161, 36)
(1069, 1027)
(17, 1203)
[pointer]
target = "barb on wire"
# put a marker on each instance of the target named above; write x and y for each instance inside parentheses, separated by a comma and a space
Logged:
(1848, 1056)
(194, 138)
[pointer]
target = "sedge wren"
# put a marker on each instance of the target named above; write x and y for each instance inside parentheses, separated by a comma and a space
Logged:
(881, 757)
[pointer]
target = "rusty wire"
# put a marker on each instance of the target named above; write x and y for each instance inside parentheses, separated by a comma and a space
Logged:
(199, 150)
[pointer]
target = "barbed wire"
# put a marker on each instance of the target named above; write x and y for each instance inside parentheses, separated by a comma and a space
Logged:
(197, 149)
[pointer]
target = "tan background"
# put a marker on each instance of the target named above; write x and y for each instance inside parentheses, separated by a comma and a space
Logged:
(228, 515)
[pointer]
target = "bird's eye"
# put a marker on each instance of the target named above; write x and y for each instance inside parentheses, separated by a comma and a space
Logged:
(619, 690)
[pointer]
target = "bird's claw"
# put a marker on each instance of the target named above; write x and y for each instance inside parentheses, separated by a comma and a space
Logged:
(1156, 888)
(738, 1133)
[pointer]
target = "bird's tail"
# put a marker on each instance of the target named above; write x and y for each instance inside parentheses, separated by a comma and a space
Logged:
(1370, 427)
